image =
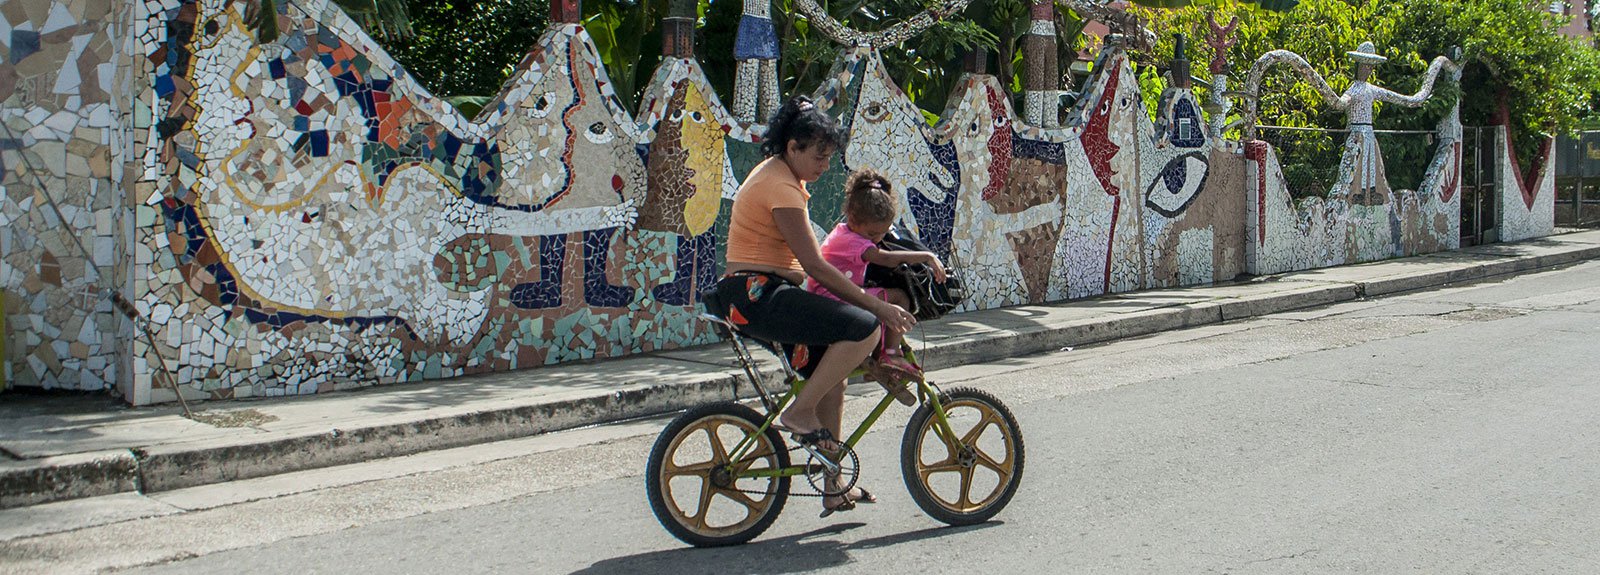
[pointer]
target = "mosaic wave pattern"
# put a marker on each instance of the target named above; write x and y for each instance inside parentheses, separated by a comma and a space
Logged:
(306, 218)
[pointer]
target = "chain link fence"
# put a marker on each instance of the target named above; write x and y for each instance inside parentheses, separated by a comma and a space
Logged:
(1406, 156)
(1310, 157)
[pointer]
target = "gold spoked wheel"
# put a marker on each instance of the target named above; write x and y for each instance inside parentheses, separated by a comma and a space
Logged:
(970, 481)
(695, 488)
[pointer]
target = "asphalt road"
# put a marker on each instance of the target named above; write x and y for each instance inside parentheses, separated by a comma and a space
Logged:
(1449, 431)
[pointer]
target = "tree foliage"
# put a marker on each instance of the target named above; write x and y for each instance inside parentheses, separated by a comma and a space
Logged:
(463, 50)
(1510, 50)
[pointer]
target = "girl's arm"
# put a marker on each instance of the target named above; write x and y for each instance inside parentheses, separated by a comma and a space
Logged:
(890, 259)
(796, 231)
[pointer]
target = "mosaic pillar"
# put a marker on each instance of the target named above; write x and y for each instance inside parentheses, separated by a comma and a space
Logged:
(1219, 38)
(1040, 84)
(1180, 64)
(756, 48)
(677, 30)
(566, 11)
(976, 62)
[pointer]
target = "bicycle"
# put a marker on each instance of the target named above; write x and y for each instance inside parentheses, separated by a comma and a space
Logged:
(751, 481)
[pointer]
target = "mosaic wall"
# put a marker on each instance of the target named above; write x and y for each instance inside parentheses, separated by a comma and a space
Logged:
(1362, 219)
(1527, 204)
(323, 222)
(1111, 203)
(63, 102)
(305, 217)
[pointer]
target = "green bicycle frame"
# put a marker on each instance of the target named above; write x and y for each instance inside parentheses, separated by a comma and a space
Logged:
(925, 393)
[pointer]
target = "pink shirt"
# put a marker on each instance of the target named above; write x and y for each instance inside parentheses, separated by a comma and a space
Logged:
(844, 249)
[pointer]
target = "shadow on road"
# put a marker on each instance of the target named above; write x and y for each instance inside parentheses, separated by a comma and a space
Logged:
(793, 554)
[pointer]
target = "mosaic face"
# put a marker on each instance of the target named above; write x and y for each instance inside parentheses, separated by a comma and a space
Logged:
(980, 250)
(563, 147)
(686, 167)
(895, 143)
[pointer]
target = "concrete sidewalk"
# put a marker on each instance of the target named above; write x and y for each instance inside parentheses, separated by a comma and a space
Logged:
(63, 448)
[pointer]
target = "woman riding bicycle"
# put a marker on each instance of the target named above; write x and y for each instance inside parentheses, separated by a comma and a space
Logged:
(771, 251)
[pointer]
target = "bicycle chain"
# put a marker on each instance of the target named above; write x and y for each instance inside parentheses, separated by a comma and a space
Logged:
(792, 492)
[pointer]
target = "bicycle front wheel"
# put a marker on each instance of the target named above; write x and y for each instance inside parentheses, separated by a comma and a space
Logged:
(703, 497)
(971, 483)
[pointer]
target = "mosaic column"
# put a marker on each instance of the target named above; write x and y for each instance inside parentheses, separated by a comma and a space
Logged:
(1040, 83)
(755, 84)
(1219, 38)
(566, 11)
(1180, 64)
(677, 30)
(976, 62)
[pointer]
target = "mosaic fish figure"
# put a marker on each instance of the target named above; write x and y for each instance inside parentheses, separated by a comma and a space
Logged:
(355, 232)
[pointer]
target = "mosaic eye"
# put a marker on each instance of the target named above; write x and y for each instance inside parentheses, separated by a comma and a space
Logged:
(599, 133)
(973, 128)
(677, 116)
(875, 112)
(542, 106)
(698, 117)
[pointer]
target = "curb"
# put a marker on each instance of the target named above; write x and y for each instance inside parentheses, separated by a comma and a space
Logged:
(177, 466)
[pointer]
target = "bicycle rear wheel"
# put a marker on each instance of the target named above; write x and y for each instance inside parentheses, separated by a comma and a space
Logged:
(970, 484)
(694, 488)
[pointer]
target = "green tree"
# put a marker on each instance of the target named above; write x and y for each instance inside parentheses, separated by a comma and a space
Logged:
(464, 50)
(1510, 50)
(628, 35)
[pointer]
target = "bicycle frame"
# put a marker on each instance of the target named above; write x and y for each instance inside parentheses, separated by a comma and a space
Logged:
(926, 393)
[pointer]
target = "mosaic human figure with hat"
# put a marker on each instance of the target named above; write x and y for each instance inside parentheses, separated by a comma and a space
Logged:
(1361, 160)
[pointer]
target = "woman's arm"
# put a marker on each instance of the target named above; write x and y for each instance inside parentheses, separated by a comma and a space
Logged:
(796, 231)
(891, 259)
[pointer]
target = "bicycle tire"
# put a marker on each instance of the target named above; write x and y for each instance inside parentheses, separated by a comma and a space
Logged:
(696, 529)
(961, 509)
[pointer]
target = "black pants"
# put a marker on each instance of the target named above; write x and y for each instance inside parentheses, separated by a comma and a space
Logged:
(768, 307)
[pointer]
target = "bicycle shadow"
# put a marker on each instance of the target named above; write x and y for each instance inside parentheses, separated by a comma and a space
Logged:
(808, 551)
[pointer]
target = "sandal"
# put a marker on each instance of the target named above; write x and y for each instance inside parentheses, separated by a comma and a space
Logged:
(847, 503)
(820, 439)
(893, 377)
(896, 360)
(844, 504)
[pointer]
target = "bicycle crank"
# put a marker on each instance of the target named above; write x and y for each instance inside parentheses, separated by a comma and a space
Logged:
(839, 469)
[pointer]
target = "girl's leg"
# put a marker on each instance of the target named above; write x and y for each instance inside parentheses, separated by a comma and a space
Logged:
(898, 297)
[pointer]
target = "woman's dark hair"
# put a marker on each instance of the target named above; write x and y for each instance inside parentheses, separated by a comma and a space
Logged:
(799, 120)
(867, 197)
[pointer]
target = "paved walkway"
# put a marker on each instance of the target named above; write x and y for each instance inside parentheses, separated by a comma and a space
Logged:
(57, 448)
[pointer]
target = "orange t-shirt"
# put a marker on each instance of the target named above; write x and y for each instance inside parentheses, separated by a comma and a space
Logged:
(753, 236)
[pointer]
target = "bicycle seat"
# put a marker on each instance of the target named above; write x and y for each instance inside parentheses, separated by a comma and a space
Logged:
(717, 319)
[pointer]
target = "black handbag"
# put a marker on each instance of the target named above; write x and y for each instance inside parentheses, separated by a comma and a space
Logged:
(929, 298)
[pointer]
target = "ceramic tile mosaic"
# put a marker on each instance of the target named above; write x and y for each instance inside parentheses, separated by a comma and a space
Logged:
(1361, 219)
(63, 105)
(1527, 204)
(304, 217)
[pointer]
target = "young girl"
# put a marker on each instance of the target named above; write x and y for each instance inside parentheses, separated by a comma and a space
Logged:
(869, 213)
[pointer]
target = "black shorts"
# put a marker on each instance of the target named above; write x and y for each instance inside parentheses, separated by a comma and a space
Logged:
(769, 307)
